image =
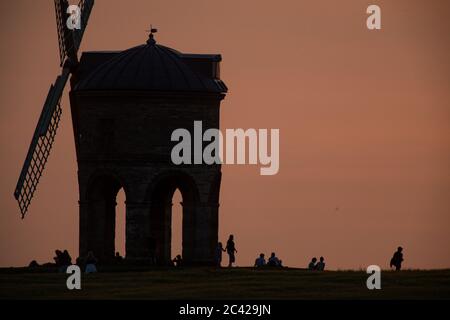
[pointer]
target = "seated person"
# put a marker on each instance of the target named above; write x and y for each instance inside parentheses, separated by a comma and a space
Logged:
(320, 266)
(178, 261)
(118, 258)
(274, 261)
(91, 263)
(312, 264)
(260, 262)
(58, 258)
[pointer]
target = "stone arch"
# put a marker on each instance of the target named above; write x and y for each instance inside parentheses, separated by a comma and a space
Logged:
(160, 195)
(98, 215)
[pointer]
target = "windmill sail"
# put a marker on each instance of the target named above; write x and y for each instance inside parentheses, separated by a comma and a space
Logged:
(41, 144)
(44, 134)
(86, 8)
(69, 40)
(65, 40)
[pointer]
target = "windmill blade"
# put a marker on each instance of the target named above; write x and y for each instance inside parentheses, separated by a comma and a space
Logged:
(86, 8)
(41, 144)
(70, 40)
(65, 39)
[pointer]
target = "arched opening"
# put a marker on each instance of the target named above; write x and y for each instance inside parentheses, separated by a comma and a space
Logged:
(119, 243)
(101, 217)
(177, 224)
(172, 224)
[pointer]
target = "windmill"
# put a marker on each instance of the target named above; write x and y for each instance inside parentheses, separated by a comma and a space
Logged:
(44, 134)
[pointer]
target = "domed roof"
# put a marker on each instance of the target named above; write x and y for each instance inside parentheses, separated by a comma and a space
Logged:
(151, 67)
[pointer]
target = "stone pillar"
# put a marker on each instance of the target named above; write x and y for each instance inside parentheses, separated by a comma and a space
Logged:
(161, 231)
(206, 233)
(109, 242)
(137, 241)
(97, 228)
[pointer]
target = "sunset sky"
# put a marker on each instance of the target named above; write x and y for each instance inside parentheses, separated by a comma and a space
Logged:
(364, 119)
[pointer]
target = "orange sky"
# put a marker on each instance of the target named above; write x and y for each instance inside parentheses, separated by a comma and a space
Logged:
(364, 119)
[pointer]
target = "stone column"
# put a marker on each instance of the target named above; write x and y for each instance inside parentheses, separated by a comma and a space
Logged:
(161, 230)
(206, 228)
(137, 241)
(97, 228)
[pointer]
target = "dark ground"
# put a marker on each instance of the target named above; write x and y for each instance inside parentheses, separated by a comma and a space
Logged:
(211, 283)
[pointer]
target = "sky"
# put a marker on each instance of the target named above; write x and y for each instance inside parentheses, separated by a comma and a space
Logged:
(364, 120)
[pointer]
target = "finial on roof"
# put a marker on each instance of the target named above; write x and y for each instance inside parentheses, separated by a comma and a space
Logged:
(151, 39)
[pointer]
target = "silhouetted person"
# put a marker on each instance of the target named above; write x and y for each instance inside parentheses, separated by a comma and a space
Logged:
(66, 259)
(218, 254)
(312, 264)
(260, 262)
(178, 261)
(397, 259)
(118, 258)
(80, 262)
(91, 263)
(274, 261)
(231, 250)
(57, 258)
(61, 260)
(320, 266)
(33, 264)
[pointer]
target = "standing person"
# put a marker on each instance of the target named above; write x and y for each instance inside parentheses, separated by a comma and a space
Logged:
(320, 266)
(91, 262)
(397, 259)
(218, 254)
(231, 250)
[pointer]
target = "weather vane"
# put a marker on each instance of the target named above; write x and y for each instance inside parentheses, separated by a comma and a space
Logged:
(150, 36)
(152, 30)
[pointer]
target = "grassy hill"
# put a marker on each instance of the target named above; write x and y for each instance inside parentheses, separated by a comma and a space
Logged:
(236, 283)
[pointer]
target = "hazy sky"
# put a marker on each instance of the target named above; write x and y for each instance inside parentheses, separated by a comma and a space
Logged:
(364, 119)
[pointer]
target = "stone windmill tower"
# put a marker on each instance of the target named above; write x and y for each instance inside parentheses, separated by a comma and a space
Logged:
(125, 106)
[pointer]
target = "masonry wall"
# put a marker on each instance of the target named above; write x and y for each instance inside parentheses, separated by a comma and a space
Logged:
(123, 140)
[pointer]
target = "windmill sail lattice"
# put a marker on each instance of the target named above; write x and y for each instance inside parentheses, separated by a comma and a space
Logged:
(86, 8)
(70, 40)
(44, 134)
(41, 144)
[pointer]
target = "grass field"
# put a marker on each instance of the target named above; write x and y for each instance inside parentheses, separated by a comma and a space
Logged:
(236, 283)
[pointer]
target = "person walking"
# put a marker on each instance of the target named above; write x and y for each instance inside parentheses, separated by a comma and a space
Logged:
(397, 259)
(231, 250)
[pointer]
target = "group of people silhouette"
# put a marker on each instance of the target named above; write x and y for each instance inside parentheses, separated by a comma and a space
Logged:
(273, 261)
(89, 263)
(63, 260)
(230, 249)
(317, 266)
